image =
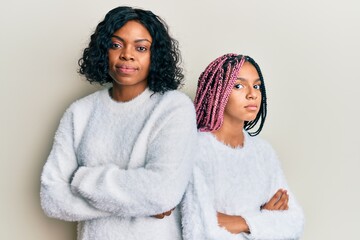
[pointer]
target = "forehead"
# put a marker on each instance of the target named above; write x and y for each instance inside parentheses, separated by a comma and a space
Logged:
(248, 71)
(133, 28)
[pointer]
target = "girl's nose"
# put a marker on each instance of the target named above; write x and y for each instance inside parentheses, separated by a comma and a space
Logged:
(251, 94)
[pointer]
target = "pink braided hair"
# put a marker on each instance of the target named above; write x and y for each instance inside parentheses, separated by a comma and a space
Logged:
(214, 87)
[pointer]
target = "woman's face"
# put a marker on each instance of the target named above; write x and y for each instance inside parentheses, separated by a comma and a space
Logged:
(245, 98)
(129, 55)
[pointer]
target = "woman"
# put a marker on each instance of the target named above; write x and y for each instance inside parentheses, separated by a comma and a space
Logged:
(121, 157)
(238, 190)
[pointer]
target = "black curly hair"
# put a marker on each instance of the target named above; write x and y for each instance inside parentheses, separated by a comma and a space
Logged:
(165, 73)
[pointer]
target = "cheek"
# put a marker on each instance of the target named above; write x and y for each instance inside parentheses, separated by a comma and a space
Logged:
(110, 59)
(146, 62)
(259, 98)
(233, 106)
(236, 99)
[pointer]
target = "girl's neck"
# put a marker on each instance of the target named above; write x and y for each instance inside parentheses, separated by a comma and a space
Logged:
(230, 134)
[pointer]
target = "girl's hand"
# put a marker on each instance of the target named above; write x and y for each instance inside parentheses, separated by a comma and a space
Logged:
(233, 224)
(278, 202)
(162, 215)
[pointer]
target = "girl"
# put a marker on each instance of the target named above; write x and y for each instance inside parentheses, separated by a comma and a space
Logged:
(238, 190)
(121, 157)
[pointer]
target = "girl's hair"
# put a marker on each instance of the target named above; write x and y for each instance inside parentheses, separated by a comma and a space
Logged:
(165, 73)
(214, 88)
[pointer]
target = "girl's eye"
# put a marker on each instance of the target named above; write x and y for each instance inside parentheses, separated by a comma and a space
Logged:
(257, 87)
(141, 49)
(238, 86)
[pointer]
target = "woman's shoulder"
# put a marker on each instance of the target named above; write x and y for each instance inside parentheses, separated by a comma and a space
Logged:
(174, 102)
(86, 102)
(176, 96)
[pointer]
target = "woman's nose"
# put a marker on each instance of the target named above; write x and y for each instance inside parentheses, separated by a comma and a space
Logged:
(126, 54)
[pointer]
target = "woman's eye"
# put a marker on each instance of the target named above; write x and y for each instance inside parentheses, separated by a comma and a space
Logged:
(238, 86)
(257, 87)
(116, 45)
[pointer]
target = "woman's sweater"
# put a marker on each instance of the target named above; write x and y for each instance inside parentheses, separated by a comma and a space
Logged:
(115, 164)
(238, 181)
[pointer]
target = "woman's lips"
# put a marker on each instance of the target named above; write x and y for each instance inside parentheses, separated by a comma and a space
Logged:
(125, 69)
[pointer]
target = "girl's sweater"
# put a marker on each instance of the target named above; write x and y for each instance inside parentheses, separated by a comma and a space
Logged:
(238, 181)
(115, 164)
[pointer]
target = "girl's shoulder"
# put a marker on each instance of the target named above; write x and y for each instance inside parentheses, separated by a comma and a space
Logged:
(204, 139)
(205, 150)
(266, 150)
(258, 142)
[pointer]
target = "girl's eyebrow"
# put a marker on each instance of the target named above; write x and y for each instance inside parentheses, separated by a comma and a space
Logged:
(244, 79)
(137, 40)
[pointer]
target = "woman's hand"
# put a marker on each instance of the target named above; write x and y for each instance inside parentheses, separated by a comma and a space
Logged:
(278, 202)
(233, 224)
(162, 215)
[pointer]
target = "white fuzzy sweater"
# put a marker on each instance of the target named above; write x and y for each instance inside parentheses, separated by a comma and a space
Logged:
(113, 165)
(237, 181)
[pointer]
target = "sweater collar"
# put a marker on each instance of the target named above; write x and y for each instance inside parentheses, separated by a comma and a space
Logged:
(134, 103)
(214, 140)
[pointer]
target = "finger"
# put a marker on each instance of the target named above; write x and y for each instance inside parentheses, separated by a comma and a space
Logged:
(286, 205)
(159, 216)
(282, 201)
(168, 213)
(275, 198)
(283, 206)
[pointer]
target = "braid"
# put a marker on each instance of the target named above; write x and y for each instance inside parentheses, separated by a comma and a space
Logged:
(263, 106)
(214, 87)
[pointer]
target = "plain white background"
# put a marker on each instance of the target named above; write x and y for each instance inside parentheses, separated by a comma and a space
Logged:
(309, 53)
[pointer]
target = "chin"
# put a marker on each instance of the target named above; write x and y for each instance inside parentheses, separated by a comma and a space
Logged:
(249, 119)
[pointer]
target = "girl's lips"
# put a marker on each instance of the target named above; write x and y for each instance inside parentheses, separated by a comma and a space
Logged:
(251, 107)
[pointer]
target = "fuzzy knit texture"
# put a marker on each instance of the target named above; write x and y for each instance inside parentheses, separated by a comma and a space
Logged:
(115, 164)
(237, 181)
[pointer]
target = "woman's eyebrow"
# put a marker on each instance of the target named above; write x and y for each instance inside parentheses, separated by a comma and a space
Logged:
(118, 38)
(137, 40)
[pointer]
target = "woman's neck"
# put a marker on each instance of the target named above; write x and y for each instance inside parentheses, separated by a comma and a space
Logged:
(126, 93)
(230, 134)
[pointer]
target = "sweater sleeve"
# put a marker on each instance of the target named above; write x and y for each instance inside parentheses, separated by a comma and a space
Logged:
(57, 199)
(192, 221)
(156, 187)
(199, 217)
(266, 224)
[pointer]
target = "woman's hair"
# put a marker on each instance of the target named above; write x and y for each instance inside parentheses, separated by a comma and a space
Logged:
(165, 73)
(214, 88)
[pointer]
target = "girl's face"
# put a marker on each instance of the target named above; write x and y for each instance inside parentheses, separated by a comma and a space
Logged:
(245, 98)
(129, 55)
